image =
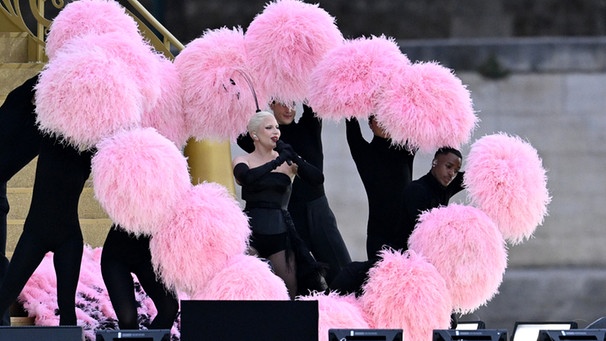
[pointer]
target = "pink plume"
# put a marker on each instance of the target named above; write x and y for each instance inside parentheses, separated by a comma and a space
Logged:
(217, 99)
(39, 295)
(245, 278)
(467, 248)
(207, 229)
(349, 78)
(84, 95)
(167, 115)
(285, 43)
(505, 178)
(85, 17)
(142, 61)
(336, 311)
(406, 291)
(427, 107)
(139, 176)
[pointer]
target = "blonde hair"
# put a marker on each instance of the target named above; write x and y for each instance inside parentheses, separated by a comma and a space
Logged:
(256, 120)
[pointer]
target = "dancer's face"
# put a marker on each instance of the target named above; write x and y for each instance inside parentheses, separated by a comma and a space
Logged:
(445, 168)
(284, 113)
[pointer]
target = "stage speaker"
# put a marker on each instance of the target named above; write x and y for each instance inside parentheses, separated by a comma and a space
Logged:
(249, 320)
(40, 333)
(133, 335)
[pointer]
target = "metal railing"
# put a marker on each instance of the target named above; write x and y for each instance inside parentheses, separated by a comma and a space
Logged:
(150, 28)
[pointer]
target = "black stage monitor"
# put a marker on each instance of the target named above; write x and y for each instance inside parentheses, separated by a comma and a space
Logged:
(41, 333)
(470, 335)
(529, 330)
(572, 335)
(470, 325)
(249, 320)
(365, 334)
(133, 335)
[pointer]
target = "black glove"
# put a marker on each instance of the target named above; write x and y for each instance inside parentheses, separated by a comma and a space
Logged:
(287, 152)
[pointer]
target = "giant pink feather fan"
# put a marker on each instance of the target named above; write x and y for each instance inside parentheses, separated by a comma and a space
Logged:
(505, 178)
(285, 42)
(405, 291)
(218, 95)
(84, 17)
(467, 248)
(348, 80)
(138, 178)
(426, 106)
(86, 94)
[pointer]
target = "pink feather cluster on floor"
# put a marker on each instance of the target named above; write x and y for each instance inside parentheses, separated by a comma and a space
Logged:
(93, 307)
(138, 109)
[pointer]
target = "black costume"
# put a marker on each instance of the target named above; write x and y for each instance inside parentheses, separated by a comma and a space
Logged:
(267, 194)
(52, 225)
(385, 171)
(123, 255)
(420, 195)
(314, 220)
(20, 141)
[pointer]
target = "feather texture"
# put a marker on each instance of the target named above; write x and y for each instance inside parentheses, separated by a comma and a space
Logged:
(466, 247)
(505, 178)
(284, 44)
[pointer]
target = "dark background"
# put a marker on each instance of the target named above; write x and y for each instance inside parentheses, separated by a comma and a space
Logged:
(401, 19)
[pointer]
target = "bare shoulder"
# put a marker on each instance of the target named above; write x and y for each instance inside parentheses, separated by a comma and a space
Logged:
(240, 159)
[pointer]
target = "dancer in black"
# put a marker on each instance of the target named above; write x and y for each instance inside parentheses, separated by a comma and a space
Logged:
(314, 220)
(434, 189)
(52, 225)
(123, 255)
(52, 222)
(20, 141)
(3, 233)
(385, 171)
(266, 177)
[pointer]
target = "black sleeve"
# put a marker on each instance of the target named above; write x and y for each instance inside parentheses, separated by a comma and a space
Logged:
(309, 119)
(246, 143)
(416, 201)
(247, 176)
(355, 140)
(457, 184)
(308, 172)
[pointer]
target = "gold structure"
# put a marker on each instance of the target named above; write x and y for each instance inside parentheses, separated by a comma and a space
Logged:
(208, 161)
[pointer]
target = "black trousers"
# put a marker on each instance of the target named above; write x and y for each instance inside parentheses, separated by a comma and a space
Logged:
(52, 225)
(19, 144)
(123, 255)
(317, 226)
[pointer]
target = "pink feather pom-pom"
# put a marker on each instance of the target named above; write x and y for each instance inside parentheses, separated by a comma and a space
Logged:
(336, 311)
(349, 78)
(84, 96)
(138, 177)
(142, 61)
(285, 42)
(167, 115)
(427, 107)
(218, 100)
(466, 247)
(85, 17)
(406, 291)
(206, 230)
(245, 278)
(505, 178)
